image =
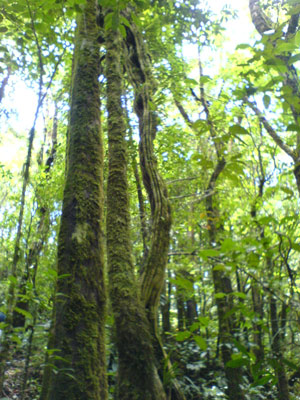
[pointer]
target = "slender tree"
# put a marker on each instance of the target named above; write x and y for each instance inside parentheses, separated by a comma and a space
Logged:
(137, 374)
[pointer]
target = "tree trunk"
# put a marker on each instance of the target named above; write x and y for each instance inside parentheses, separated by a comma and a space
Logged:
(137, 375)
(79, 337)
(166, 306)
(276, 345)
(258, 332)
(43, 228)
(140, 73)
(4, 84)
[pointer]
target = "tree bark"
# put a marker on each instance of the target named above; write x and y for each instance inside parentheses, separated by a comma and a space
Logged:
(276, 345)
(140, 74)
(137, 375)
(222, 284)
(79, 337)
(139, 69)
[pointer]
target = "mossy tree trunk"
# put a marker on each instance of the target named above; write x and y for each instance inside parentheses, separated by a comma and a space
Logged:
(142, 79)
(140, 74)
(139, 69)
(137, 375)
(78, 338)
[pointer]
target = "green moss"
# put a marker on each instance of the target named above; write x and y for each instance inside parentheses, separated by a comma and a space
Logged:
(80, 303)
(137, 376)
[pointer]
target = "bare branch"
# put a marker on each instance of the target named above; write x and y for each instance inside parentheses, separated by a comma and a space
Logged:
(183, 112)
(191, 178)
(203, 196)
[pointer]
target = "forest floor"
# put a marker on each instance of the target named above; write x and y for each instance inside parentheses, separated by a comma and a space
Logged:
(14, 377)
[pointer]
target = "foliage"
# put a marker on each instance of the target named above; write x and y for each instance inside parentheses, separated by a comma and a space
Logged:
(252, 123)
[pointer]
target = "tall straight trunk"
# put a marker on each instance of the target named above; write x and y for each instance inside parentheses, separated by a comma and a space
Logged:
(79, 336)
(223, 285)
(166, 306)
(257, 328)
(137, 375)
(277, 337)
(276, 345)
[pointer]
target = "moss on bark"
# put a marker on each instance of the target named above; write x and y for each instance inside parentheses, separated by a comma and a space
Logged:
(139, 69)
(137, 375)
(80, 299)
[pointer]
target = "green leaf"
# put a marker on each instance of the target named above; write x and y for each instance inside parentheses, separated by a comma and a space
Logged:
(228, 245)
(122, 31)
(23, 312)
(202, 125)
(194, 326)
(190, 82)
(205, 79)
(136, 20)
(243, 46)
(181, 336)
(266, 100)
(287, 190)
(294, 59)
(296, 246)
(237, 362)
(201, 342)
(108, 21)
(183, 283)
(220, 295)
(209, 253)
(291, 364)
(219, 267)
(241, 295)
(124, 21)
(296, 39)
(284, 47)
(263, 380)
(293, 128)
(204, 321)
(63, 276)
(238, 129)
(3, 29)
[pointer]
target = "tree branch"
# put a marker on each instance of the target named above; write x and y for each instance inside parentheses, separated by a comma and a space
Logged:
(277, 139)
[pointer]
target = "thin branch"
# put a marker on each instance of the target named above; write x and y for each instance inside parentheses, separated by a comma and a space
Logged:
(183, 112)
(41, 64)
(290, 152)
(182, 179)
(182, 253)
(203, 196)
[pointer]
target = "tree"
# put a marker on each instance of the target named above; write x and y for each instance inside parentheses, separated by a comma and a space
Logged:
(78, 337)
(137, 373)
